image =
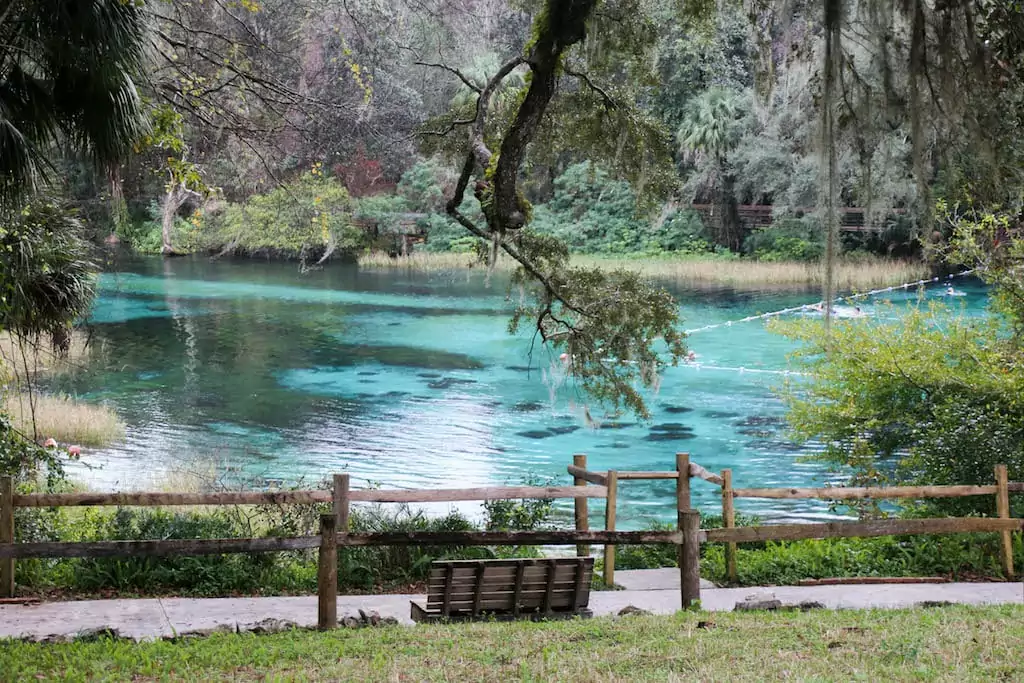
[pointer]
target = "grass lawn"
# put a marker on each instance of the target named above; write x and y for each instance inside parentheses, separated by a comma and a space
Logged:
(949, 643)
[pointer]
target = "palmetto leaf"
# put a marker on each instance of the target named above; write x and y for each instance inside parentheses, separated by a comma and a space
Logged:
(66, 77)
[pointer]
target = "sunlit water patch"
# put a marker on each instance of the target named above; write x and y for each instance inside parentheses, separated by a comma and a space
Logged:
(254, 371)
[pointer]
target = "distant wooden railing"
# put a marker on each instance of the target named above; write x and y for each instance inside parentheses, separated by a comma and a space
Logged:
(731, 535)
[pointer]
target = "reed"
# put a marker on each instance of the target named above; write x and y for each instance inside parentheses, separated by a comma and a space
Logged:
(862, 273)
(65, 419)
(39, 358)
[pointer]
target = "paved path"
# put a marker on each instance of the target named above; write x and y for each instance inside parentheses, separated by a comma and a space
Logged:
(159, 618)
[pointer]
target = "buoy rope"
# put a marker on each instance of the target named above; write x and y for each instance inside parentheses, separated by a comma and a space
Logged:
(811, 306)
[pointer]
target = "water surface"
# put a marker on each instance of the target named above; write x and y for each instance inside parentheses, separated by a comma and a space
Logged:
(253, 371)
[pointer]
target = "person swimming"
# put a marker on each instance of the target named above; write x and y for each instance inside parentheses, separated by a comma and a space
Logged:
(950, 291)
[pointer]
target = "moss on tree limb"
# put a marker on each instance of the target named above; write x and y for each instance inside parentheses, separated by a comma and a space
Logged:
(607, 322)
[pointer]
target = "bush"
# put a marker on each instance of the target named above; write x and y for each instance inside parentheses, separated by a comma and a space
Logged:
(303, 219)
(684, 233)
(956, 556)
(788, 239)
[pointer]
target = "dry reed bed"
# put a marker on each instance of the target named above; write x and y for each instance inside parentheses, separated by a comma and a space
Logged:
(850, 275)
(65, 419)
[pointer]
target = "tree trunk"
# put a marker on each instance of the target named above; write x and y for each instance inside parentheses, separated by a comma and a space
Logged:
(730, 213)
(175, 197)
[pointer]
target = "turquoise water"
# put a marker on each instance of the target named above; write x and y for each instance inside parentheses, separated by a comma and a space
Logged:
(254, 371)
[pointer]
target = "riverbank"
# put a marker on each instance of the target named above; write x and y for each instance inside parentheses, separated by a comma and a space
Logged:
(25, 368)
(949, 643)
(696, 271)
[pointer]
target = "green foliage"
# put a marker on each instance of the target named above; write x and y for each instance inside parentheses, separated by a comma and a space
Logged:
(421, 187)
(596, 214)
(606, 322)
(713, 123)
(302, 219)
(788, 239)
(22, 458)
(928, 399)
(682, 233)
(777, 563)
(359, 568)
(934, 397)
(66, 74)
(958, 557)
(145, 236)
(47, 276)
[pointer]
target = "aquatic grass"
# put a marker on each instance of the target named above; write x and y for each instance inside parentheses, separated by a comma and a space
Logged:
(65, 419)
(956, 643)
(697, 271)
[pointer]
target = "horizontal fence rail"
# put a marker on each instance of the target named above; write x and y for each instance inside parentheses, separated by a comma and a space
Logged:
(143, 499)
(880, 527)
(217, 546)
(863, 493)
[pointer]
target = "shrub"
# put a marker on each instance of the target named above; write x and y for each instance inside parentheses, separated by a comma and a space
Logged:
(683, 232)
(788, 239)
(359, 568)
(303, 219)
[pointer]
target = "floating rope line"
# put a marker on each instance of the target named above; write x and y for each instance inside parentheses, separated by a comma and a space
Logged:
(811, 307)
(741, 370)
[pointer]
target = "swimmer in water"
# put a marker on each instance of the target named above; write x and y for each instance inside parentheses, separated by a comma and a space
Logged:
(950, 291)
(691, 357)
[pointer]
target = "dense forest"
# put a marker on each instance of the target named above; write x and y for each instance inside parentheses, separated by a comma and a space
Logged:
(305, 129)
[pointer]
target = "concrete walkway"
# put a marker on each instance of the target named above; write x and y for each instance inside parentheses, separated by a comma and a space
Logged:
(167, 617)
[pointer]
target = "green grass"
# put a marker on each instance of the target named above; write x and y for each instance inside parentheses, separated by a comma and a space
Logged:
(942, 644)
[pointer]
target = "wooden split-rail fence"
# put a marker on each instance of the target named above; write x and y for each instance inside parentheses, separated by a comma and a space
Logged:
(335, 534)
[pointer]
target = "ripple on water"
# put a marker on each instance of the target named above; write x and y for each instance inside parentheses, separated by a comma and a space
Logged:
(284, 353)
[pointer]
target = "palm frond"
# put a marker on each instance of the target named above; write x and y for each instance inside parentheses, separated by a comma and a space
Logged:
(66, 77)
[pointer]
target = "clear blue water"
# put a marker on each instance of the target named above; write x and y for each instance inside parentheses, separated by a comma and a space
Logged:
(252, 370)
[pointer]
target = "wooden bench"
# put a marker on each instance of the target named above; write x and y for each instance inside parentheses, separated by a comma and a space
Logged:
(463, 590)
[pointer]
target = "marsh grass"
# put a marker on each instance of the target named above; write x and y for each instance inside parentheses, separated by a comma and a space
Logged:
(939, 644)
(856, 274)
(40, 359)
(65, 419)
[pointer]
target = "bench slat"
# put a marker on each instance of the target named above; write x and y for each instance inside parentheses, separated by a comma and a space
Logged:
(465, 595)
(488, 582)
(539, 573)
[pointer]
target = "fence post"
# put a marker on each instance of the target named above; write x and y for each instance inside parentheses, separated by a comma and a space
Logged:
(582, 520)
(1003, 510)
(689, 558)
(609, 524)
(327, 574)
(7, 535)
(729, 521)
(341, 500)
(683, 483)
